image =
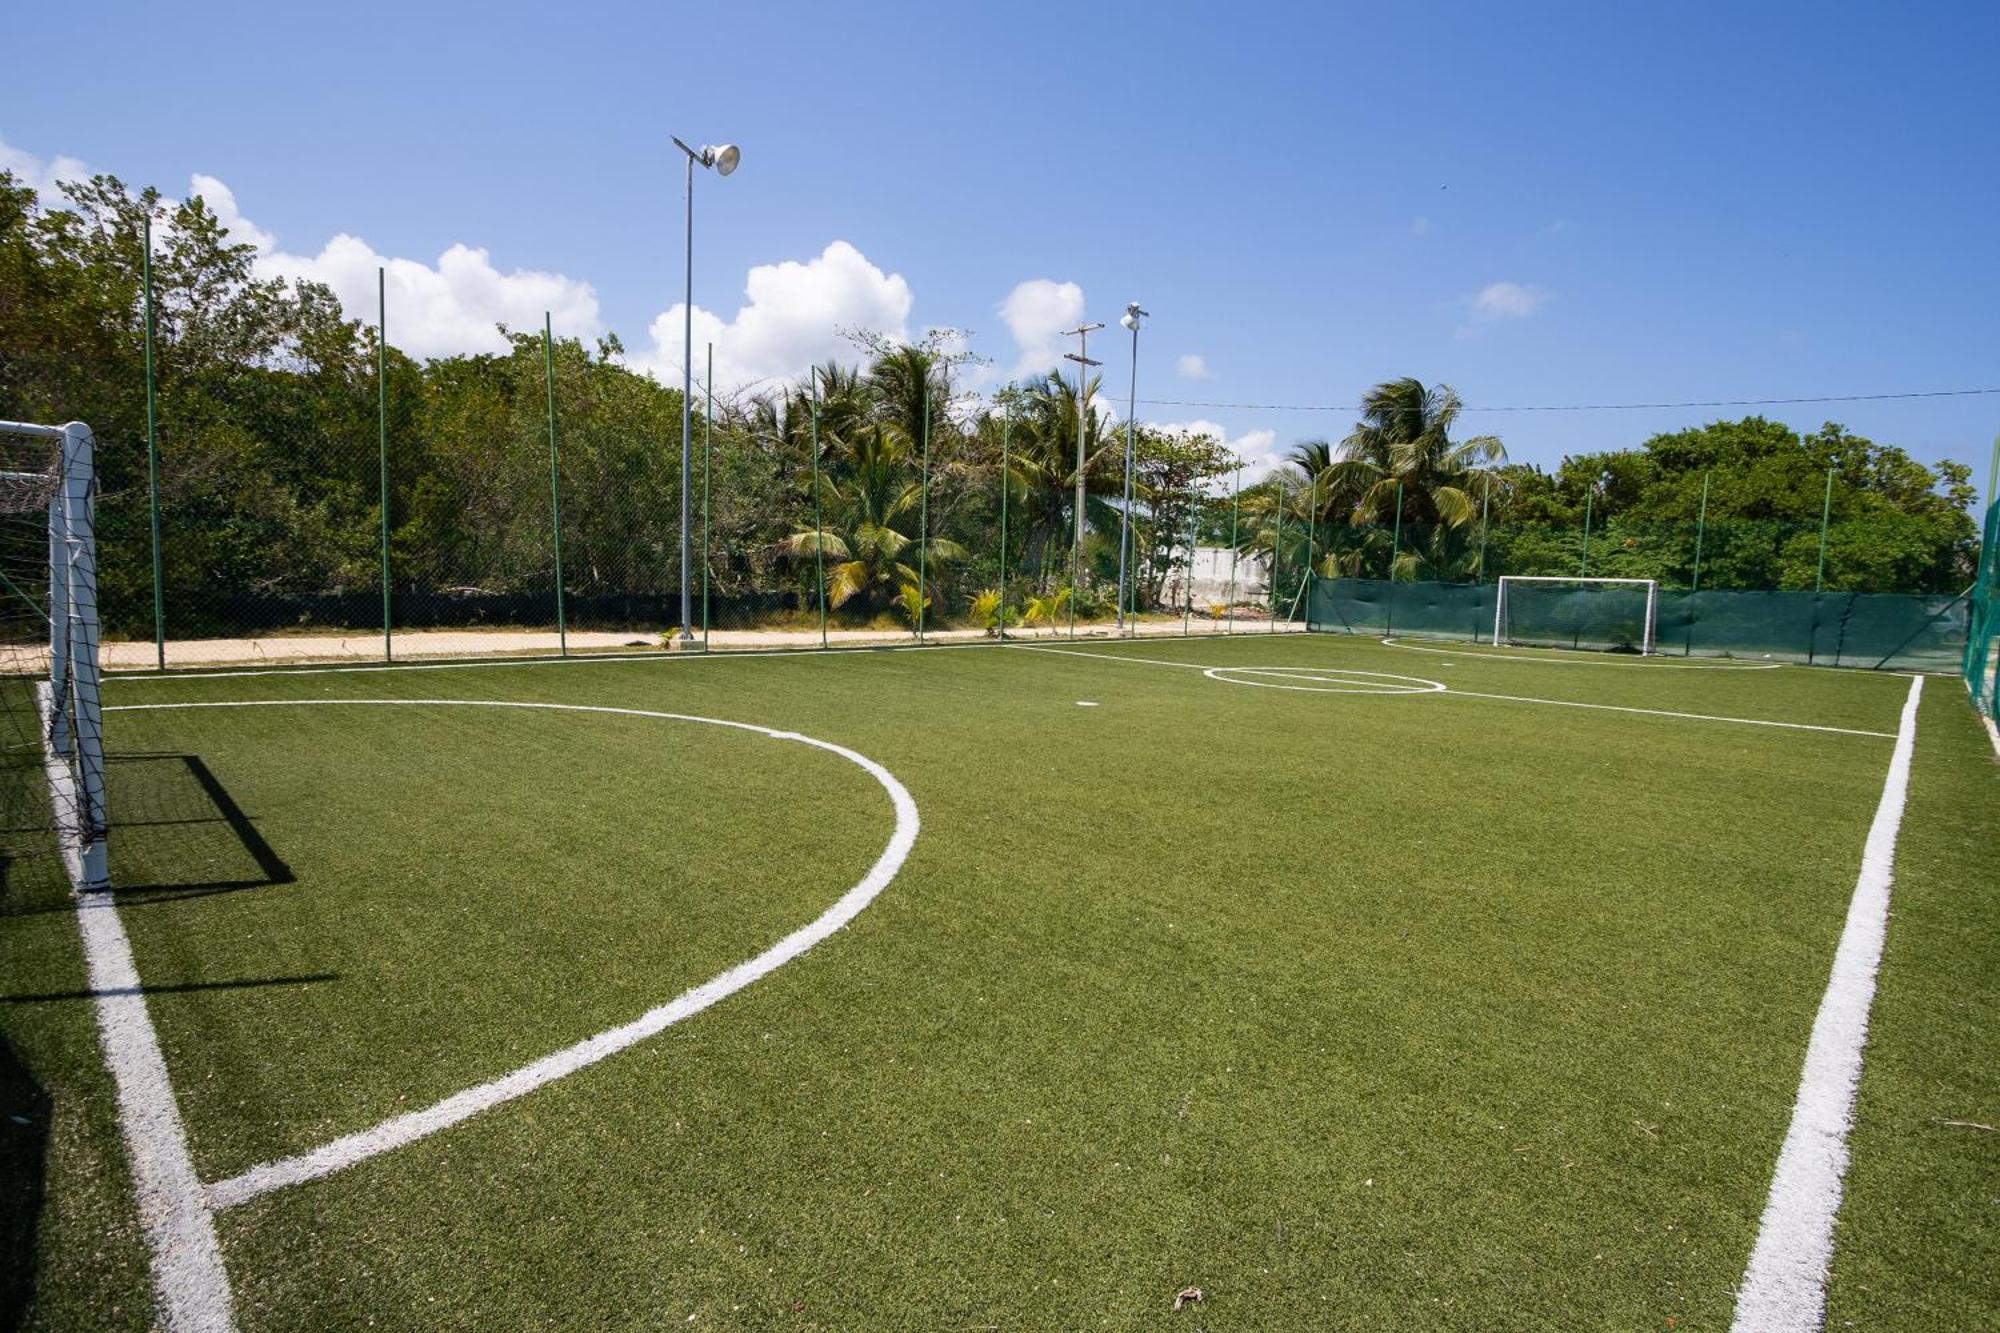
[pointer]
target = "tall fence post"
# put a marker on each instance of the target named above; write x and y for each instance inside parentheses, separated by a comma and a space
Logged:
(1396, 540)
(1006, 433)
(1700, 533)
(555, 479)
(1485, 508)
(707, 458)
(1187, 599)
(1825, 514)
(1277, 549)
(819, 520)
(1235, 511)
(1589, 494)
(1312, 535)
(153, 453)
(382, 443)
(924, 515)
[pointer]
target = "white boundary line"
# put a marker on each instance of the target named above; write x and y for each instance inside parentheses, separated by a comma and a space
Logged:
(1453, 692)
(189, 1279)
(1784, 1288)
(1503, 655)
(351, 1149)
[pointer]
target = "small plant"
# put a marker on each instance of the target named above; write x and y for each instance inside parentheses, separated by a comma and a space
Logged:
(1046, 608)
(1218, 610)
(988, 610)
(912, 603)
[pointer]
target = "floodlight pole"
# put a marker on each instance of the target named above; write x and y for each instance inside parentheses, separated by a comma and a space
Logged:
(153, 453)
(708, 157)
(1081, 356)
(1133, 314)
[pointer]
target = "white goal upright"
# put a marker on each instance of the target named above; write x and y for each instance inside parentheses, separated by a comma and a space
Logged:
(1611, 615)
(51, 726)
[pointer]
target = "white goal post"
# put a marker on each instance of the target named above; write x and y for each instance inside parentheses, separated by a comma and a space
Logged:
(1626, 625)
(49, 642)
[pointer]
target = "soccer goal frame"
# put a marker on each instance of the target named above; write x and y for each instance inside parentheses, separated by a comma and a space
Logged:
(1649, 635)
(66, 686)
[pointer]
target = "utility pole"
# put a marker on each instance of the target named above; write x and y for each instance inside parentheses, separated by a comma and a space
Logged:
(1081, 356)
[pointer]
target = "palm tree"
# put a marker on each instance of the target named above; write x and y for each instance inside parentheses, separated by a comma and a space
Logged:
(1042, 470)
(1400, 463)
(872, 503)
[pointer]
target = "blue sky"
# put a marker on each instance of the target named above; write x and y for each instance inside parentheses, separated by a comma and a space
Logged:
(1536, 204)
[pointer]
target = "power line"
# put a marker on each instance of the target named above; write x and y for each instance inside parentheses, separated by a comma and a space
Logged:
(1594, 407)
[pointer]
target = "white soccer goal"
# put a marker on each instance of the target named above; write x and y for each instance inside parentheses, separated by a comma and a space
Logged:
(1600, 613)
(49, 709)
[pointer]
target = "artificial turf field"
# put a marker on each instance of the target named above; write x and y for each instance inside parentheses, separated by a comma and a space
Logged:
(1355, 1010)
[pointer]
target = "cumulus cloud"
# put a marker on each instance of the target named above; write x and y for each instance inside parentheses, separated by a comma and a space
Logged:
(1192, 366)
(1257, 448)
(1508, 300)
(39, 176)
(1036, 312)
(795, 316)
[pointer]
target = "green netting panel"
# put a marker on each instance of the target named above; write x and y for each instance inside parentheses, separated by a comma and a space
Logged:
(1895, 631)
(1981, 655)
(1418, 610)
(1567, 615)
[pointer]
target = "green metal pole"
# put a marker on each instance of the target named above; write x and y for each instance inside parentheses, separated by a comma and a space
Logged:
(1583, 570)
(382, 444)
(1396, 540)
(1485, 508)
(1825, 513)
(924, 515)
(1235, 510)
(1006, 429)
(153, 454)
(1700, 533)
(707, 458)
(555, 480)
(819, 521)
(1277, 549)
(1187, 611)
(1312, 533)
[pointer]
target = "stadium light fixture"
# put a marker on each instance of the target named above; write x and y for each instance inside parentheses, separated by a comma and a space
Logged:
(722, 160)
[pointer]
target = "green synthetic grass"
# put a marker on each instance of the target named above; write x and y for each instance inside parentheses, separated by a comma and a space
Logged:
(1354, 1011)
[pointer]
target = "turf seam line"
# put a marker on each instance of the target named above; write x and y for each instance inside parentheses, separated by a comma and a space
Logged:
(189, 1279)
(1784, 1286)
(399, 1131)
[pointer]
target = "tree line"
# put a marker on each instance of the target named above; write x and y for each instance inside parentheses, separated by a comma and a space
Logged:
(883, 482)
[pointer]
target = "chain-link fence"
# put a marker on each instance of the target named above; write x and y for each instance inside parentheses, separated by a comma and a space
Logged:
(1982, 643)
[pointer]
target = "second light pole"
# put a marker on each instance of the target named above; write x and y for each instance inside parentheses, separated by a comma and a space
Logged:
(1130, 319)
(722, 160)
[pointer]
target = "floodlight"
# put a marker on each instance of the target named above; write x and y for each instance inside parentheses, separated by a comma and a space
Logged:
(723, 158)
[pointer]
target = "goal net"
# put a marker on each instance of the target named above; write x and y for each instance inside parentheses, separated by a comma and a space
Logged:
(1612, 615)
(51, 738)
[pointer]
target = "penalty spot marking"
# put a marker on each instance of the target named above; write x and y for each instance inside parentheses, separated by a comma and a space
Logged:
(1593, 659)
(1086, 703)
(1325, 680)
(1784, 1287)
(399, 1131)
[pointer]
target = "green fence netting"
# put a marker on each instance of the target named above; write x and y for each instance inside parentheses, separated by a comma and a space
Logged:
(1875, 630)
(1981, 662)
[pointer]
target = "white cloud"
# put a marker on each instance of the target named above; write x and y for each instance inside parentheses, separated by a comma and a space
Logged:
(1036, 312)
(1193, 366)
(795, 317)
(1420, 226)
(39, 176)
(1257, 448)
(1508, 300)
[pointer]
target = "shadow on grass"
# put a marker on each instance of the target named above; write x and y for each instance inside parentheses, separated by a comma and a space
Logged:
(24, 1142)
(172, 988)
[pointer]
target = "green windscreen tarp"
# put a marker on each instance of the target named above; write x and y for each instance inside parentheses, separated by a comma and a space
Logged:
(1855, 629)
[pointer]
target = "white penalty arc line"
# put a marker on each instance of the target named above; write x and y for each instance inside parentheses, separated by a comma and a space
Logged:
(1645, 663)
(1326, 680)
(190, 1283)
(1453, 692)
(1784, 1287)
(398, 1131)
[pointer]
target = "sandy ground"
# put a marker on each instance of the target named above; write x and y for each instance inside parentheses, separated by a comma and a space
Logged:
(291, 649)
